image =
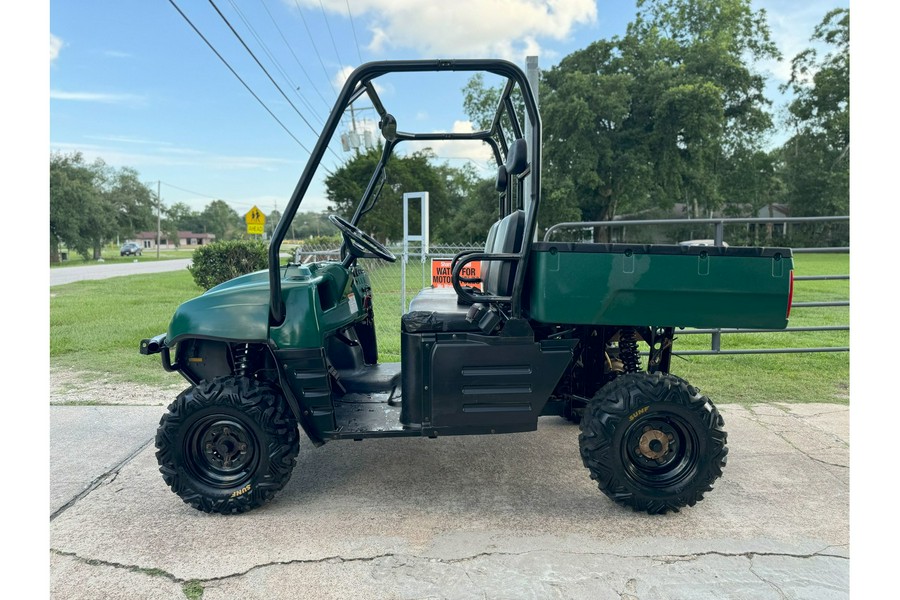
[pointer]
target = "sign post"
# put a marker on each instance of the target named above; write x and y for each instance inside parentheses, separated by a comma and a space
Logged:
(421, 237)
(256, 221)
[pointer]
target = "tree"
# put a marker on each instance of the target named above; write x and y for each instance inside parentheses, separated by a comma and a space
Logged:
(558, 202)
(272, 221)
(221, 220)
(403, 174)
(133, 202)
(310, 224)
(651, 118)
(180, 217)
(92, 204)
(474, 205)
(72, 193)
(815, 161)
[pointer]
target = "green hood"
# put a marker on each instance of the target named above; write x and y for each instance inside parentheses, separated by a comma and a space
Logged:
(235, 310)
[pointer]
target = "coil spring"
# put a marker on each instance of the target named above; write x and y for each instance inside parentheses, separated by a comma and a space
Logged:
(628, 351)
(240, 354)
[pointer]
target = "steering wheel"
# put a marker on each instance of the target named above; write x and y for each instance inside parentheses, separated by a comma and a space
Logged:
(359, 242)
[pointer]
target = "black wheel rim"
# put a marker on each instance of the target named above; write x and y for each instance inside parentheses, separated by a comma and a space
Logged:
(660, 451)
(221, 451)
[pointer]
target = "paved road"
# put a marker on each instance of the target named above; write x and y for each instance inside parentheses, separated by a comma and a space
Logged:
(507, 516)
(62, 275)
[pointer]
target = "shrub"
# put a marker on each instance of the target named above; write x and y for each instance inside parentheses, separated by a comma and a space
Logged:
(220, 261)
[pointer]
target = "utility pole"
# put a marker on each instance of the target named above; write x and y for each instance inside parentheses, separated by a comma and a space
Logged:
(352, 140)
(158, 220)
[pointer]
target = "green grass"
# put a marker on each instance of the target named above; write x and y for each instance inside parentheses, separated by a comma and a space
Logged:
(95, 326)
(111, 256)
(193, 589)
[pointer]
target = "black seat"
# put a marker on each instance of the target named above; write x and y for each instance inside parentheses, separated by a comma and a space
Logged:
(445, 300)
(439, 309)
(448, 311)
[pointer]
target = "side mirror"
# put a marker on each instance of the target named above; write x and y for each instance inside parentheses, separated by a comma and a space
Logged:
(388, 126)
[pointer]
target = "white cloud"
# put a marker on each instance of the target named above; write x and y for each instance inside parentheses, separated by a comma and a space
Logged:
(465, 28)
(127, 139)
(55, 46)
(341, 76)
(169, 156)
(344, 73)
(102, 98)
(475, 151)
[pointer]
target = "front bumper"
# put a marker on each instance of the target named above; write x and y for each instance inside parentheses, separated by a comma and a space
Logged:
(157, 345)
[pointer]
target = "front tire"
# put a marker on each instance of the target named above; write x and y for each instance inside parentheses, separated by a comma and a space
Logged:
(227, 445)
(653, 442)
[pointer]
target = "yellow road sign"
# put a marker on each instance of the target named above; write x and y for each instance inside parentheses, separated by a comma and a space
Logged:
(256, 221)
(255, 217)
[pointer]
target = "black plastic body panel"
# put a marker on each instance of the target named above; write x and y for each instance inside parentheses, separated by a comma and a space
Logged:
(461, 383)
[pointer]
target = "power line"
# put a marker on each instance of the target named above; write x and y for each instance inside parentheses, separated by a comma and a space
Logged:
(355, 39)
(274, 60)
(297, 60)
(331, 35)
(225, 62)
(315, 47)
(275, 83)
(181, 189)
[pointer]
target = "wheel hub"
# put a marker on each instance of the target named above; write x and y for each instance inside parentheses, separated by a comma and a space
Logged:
(225, 446)
(654, 444)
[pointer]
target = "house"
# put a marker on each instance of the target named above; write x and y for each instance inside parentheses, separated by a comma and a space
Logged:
(772, 230)
(186, 239)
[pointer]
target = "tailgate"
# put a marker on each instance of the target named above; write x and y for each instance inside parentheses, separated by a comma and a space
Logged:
(659, 285)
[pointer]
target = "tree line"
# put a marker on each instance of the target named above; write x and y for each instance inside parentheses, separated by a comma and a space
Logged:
(93, 204)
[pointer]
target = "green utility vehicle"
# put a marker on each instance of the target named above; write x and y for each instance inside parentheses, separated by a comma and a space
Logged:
(580, 330)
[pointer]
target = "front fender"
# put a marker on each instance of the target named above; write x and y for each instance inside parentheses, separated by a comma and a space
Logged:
(237, 310)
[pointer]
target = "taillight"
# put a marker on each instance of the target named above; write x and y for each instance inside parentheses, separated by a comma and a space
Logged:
(790, 296)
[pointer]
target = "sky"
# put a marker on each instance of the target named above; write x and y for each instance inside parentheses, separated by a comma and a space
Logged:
(132, 83)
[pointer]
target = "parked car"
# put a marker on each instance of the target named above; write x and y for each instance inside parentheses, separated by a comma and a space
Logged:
(130, 249)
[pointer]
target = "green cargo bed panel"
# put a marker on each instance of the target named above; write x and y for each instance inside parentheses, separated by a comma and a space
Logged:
(659, 285)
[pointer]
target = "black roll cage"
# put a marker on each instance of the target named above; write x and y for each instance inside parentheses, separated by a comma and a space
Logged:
(358, 83)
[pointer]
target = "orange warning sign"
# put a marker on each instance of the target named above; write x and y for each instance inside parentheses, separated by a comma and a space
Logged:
(441, 274)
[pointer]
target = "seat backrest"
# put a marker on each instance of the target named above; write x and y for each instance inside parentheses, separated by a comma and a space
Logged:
(498, 277)
(487, 267)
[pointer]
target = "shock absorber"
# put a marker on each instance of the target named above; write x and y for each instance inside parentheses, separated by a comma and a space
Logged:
(240, 354)
(628, 350)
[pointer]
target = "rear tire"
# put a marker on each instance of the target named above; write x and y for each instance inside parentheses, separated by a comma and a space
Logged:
(227, 445)
(652, 442)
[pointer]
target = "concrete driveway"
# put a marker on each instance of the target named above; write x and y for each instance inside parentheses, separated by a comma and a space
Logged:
(510, 516)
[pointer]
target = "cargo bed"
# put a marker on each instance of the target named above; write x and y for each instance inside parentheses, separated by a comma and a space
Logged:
(659, 285)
